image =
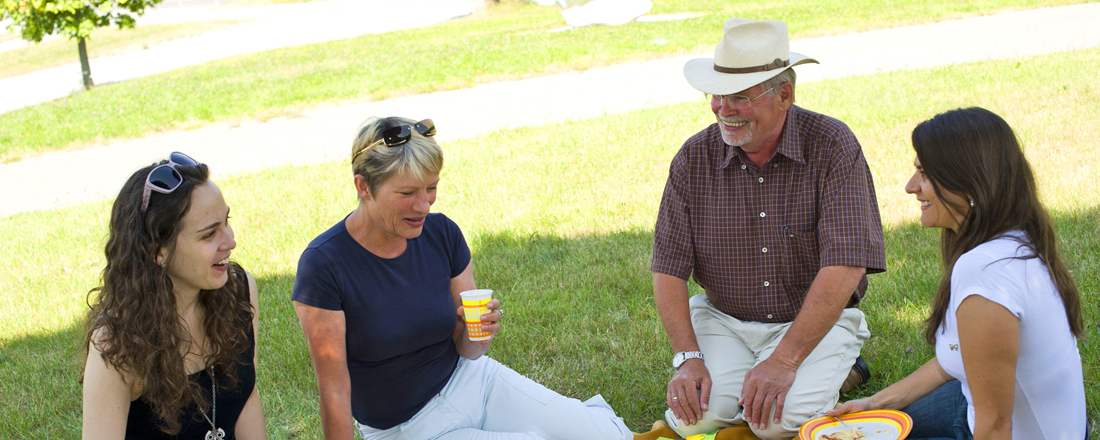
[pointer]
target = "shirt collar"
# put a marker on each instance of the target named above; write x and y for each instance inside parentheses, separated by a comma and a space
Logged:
(790, 141)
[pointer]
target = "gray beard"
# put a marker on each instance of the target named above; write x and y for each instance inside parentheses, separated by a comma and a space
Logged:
(736, 141)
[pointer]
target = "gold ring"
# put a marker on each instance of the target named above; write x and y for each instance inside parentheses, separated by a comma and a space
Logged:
(674, 397)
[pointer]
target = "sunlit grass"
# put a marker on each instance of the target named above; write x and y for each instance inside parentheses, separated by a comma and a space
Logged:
(560, 222)
(103, 42)
(507, 41)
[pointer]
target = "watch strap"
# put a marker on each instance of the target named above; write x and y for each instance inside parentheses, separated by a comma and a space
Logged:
(683, 356)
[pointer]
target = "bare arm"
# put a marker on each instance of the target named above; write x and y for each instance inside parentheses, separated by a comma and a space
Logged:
(989, 338)
(671, 296)
(768, 382)
(467, 348)
(250, 424)
(325, 333)
(902, 393)
(107, 397)
(691, 385)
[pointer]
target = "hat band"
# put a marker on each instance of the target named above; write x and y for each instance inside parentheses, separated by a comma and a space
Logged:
(770, 66)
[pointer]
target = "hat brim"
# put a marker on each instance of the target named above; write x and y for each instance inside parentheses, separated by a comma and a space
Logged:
(700, 74)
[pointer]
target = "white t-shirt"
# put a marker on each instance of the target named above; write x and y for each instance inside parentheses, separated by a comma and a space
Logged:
(1050, 391)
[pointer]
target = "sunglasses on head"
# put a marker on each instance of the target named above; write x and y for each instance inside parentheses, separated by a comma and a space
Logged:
(165, 178)
(400, 134)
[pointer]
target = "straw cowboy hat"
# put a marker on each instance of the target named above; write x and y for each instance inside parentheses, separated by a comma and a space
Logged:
(750, 53)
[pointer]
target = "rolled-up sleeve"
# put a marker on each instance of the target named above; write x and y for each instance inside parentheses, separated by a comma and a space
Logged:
(673, 252)
(849, 229)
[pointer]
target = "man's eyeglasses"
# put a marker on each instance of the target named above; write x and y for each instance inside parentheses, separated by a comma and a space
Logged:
(165, 178)
(738, 102)
(400, 134)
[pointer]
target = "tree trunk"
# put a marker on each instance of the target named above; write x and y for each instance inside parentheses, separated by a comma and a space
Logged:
(84, 67)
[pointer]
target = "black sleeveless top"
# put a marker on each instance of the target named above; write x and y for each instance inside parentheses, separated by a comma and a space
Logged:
(143, 424)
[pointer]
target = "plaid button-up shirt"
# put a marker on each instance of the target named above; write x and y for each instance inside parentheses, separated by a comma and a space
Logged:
(755, 237)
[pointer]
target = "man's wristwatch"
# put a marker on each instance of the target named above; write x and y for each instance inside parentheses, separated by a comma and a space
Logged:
(683, 356)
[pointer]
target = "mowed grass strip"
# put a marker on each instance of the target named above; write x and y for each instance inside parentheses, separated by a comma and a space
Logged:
(560, 222)
(504, 42)
(103, 42)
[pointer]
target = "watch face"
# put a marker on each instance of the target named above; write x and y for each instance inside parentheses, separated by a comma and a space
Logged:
(683, 356)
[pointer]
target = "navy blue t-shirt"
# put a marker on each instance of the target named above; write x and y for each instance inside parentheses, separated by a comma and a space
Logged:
(398, 312)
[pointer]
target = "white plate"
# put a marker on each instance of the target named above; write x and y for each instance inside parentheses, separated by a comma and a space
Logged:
(872, 430)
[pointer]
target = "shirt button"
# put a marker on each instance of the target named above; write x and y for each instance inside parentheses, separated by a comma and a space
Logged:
(743, 167)
(769, 316)
(761, 180)
(774, 165)
(766, 284)
(761, 214)
(765, 250)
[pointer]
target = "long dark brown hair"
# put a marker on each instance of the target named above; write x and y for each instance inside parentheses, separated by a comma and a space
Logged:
(133, 320)
(974, 153)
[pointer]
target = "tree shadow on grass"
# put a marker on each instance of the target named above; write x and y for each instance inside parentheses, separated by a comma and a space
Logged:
(39, 392)
(581, 320)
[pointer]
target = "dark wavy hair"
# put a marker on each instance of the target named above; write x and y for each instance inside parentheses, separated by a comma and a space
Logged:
(133, 320)
(975, 153)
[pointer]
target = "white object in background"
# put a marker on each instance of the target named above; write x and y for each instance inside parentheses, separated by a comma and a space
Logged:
(608, 12)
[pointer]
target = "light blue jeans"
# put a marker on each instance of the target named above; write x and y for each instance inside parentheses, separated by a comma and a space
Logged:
(485, 400)
(940, 415)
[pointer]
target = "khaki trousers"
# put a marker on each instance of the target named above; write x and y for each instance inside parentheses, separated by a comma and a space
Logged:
(732, 347)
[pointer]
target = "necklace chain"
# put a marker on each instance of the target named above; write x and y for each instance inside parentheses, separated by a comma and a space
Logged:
(214, 433)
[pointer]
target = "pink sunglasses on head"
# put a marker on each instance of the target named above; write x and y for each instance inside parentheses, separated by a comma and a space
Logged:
(164, 178)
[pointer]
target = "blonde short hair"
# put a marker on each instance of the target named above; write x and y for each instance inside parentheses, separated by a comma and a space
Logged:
(419, 157)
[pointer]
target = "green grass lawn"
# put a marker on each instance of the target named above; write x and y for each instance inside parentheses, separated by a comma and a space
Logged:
(506, 42)
(103, 42)
(560, 222)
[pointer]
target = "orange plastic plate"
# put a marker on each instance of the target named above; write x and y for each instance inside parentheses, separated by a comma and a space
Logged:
(884, 424)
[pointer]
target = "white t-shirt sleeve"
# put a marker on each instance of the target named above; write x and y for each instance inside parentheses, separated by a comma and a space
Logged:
(991, 278)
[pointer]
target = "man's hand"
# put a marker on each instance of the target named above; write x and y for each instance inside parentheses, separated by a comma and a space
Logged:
(689, 391)
(765, 384)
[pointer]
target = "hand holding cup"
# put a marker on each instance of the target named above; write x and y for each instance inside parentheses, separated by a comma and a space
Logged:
(481, 313)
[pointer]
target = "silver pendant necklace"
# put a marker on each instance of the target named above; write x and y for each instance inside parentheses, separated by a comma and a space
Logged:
(214, 433)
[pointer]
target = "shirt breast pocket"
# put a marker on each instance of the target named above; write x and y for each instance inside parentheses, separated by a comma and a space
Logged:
(803, 259)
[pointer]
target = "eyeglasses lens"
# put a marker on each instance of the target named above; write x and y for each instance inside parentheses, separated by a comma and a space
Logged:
(164, 177)
(182, 159)
(396, 135)
(740, 102)
(426, 127)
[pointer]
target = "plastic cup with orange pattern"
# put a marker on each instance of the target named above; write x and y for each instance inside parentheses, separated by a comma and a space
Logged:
(474, 304)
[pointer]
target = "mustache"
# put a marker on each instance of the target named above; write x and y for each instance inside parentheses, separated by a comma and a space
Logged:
(733, 119)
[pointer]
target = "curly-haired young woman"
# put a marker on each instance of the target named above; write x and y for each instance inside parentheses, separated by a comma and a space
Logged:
(171, 333)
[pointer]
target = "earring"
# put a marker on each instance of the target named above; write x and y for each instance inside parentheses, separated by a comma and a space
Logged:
(971, 202)
(164, 263)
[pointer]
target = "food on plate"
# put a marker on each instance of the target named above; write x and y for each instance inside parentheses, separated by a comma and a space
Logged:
(844, 434)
